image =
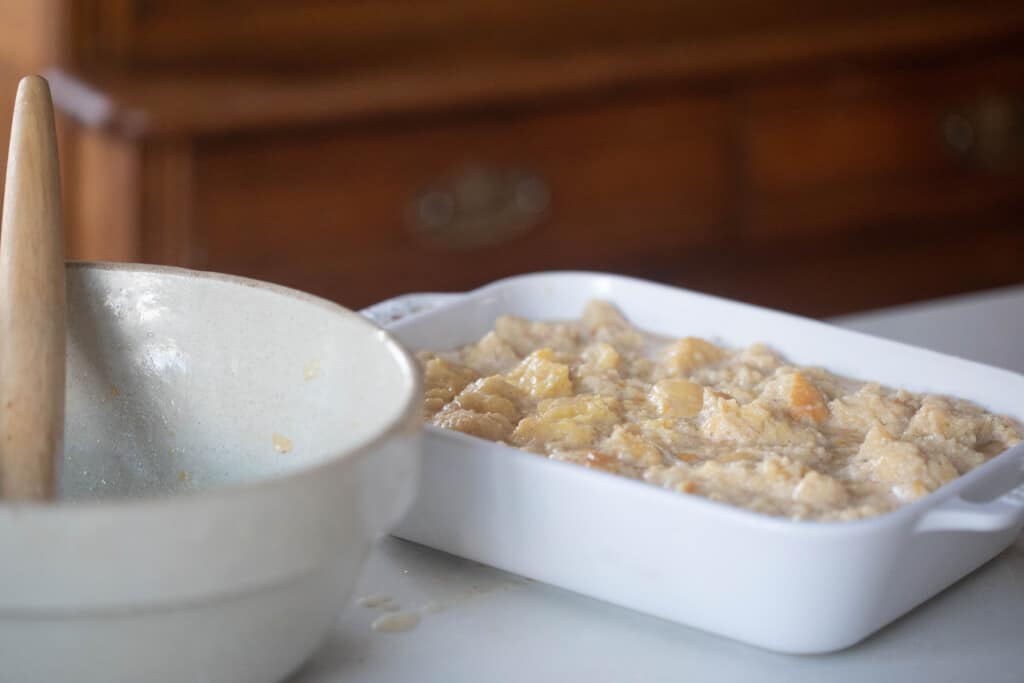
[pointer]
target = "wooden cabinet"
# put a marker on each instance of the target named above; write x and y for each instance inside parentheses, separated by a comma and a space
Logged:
(366, 211)
(816, 157)
(670, 36)
(861, 148)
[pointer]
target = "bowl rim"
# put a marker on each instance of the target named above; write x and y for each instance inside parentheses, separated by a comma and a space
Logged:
(405, 419)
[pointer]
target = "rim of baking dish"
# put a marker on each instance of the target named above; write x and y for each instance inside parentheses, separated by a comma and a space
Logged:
(906, 513)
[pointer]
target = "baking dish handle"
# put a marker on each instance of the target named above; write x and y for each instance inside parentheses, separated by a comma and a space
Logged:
(390, 311)
(957, 514)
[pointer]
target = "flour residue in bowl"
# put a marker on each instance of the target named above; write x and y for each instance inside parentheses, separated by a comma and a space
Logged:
(282, 444)
(374, 601)
(396, 622)
(311, 370)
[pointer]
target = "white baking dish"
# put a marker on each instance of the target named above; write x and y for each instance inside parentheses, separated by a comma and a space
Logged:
(799, 587)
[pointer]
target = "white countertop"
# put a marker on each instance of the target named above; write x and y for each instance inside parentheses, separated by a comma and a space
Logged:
(497, 627)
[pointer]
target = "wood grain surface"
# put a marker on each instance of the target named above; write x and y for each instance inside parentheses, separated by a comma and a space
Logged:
(32, 322)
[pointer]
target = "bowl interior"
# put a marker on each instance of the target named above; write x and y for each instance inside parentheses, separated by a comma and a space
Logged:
(179, 381)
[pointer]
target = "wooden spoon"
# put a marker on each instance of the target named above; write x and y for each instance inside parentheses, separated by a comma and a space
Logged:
(31, 302)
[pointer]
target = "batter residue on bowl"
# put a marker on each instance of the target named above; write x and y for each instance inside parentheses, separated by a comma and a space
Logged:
(741, 426)
(396, 622)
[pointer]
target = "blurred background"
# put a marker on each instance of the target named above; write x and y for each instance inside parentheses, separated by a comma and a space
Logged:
(820, 157)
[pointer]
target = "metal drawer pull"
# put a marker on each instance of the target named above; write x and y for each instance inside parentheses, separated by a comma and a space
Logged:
(987, 134)
(480, 207)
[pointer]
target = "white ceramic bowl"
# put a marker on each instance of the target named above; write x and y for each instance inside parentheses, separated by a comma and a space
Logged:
(232, 450)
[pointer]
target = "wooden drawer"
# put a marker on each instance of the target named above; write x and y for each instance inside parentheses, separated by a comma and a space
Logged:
(319, 33)
(857, 150)
(303, 32)
(357, 214)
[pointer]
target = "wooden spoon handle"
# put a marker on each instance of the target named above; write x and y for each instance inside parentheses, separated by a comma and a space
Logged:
(32, 303)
